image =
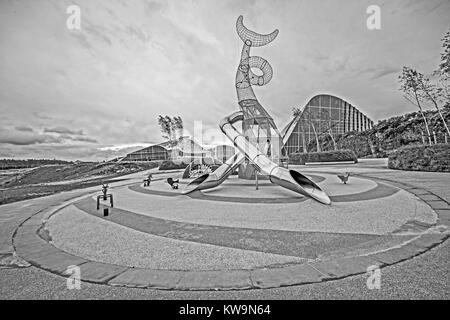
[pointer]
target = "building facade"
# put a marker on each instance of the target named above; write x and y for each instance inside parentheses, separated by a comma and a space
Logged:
(152, 153)
(322, 115)
(223, 152)
(184, 149)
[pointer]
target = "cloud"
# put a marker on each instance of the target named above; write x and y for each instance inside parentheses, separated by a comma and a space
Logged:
(180, 57)
(80, 139)
(384, 72)
(63, 130)
(24, 139)
(136, 146)
(26, 136)
(24, 128)
(42, 116)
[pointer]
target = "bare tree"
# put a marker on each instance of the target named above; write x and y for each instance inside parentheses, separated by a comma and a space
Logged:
(171, 128)
(179, 126)
(307, 119)
(410, 85)
(444, 68)
(326, 118)
(328, 130)
(442, 91)
(296, 112)
(430, 92)
(164, 127)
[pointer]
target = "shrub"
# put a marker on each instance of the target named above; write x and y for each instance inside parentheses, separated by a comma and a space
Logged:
(172, 165)
(327, 156)
(421, 158)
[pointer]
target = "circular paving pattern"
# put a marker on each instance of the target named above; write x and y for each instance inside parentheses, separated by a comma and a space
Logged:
(234, 236)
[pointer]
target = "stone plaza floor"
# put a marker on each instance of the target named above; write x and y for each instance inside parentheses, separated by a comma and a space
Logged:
(233, 237)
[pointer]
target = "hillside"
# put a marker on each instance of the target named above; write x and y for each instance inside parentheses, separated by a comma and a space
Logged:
(391, 134)
(20, 184)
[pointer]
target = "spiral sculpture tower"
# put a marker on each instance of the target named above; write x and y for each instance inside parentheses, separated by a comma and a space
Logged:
(259, 144)
(258, 126)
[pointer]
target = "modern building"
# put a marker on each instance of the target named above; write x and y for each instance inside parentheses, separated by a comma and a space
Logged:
(223, 152)
(323, 115)
(183, 149)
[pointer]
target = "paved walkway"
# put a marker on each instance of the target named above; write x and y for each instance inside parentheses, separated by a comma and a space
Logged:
(421, 241)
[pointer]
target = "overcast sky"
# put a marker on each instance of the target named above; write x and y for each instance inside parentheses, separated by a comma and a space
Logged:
(84, 94)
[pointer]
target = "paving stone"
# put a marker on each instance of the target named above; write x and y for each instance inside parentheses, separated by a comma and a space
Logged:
(33, 249)
(429, 197)
(418, 192)
(28, 243)
(43, 254)
(405, 186)
(339, 268)
(26, 232)
(220, 280)
(292, 275)
(146, 278)
(56, 261)
(396, 255)
(445, 220)
(35, 220)
(438, 204)
(429, 240)
(100, 272)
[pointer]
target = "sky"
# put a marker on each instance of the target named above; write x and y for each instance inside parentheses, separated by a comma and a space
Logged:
(95, 93)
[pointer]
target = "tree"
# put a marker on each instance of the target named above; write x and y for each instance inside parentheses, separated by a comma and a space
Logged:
(410, 81)
(164, 126)
(296, 112)
(432, 93)
(171, 128)
(443, 72)
(444, 66)
(179, 126)
(308, 121)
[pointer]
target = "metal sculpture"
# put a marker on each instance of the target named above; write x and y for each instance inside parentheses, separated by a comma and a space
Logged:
(344, 177)
(258, 126)
(173, 183)
(105, 195)
(259, 131)
(148, 180)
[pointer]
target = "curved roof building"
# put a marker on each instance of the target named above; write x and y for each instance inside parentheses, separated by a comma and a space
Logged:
(183, 148)
(323, 115)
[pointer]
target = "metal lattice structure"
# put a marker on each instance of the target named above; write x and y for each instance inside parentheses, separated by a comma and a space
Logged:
(258, 126)
(326, 114)
(259, 144)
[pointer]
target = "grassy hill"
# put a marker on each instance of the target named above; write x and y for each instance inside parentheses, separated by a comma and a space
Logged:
(390, 134)
(20, 184)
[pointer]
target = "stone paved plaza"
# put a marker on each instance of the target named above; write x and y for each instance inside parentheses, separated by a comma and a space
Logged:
(236, 239)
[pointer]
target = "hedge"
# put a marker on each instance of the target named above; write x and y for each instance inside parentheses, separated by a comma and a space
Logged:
(172, 165)
(326, 156)
(421, 158)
